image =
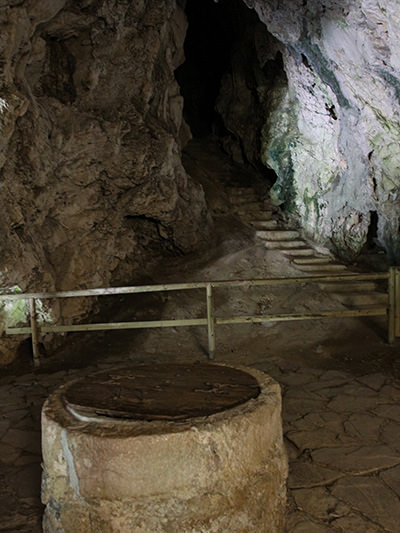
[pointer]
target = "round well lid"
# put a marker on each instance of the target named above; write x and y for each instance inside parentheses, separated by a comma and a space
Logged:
(160, 392)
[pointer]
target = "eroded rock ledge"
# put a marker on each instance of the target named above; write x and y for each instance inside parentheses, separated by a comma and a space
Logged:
(93, 190)
(90, 162)
(332, 135)
(92, 187)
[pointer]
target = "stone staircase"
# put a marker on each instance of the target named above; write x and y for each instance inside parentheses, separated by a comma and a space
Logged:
(244, 194)
(308, 259)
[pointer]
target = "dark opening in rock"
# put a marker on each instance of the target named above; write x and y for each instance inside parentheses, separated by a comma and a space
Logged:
(232, 67)
(207, 47)
(60, 66)
(372, 231)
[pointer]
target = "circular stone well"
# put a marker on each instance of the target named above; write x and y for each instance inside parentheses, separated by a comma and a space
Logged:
(165, 448)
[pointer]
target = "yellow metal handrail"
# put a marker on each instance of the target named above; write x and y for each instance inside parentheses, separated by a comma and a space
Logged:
(392, 309)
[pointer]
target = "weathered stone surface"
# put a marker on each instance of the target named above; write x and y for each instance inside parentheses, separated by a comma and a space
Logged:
(390, 411)
(224, 472)
(391, 435)
(371, 497)
(8, 454)
(332, 137)
(375, 381)
(320, 503)
(354, 402)
(326, 420)
(363, 426)
(392, 478)
(357, 522)
(307, 474)
(4, 425)
(356, 459)
(93, 188)
(319, 438)
(294, 409)
(24, 440)
(300, 524)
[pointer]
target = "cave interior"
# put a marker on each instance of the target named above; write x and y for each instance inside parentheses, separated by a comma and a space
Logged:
(183, 141)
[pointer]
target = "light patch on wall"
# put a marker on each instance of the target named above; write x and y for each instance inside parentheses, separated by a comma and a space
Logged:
(16, 312)
(3, 105)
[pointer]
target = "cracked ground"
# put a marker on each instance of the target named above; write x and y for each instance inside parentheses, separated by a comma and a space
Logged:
(339, 380)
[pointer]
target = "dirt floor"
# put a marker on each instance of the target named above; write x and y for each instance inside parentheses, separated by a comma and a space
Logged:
(340, 382)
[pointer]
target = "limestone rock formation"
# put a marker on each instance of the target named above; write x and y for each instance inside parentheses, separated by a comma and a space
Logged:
(92, 186)
(93, 190)
(332, 134)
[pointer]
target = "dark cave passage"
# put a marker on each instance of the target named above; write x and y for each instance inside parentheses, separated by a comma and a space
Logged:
(232, 65)
(207, 50)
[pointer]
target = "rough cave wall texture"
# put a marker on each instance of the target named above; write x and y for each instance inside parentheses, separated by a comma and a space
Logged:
(92, 185)
(332, 134)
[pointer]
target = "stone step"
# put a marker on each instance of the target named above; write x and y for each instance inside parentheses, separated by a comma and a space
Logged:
(264, 224)
(240, 191)
(315, 260)
(248, 197)
(349, 287)
(325, 268)
(250, 217)
(256, 216)
(278, 235)
(251, 207)
(236, 189)
(284, 245)
(304, 251)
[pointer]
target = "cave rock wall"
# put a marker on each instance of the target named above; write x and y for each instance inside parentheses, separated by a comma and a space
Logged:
(92, 186)
(332, 135)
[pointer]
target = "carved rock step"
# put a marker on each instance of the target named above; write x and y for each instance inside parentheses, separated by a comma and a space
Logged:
(285, 245)
(242, 200)
(257, 214)
(260, 215)
(322, 268)
(241, 194)
(315, 260)
(245, 203)
(239, 190)
(249, 208)
(264, 224)
(304, 251)
(278, 235)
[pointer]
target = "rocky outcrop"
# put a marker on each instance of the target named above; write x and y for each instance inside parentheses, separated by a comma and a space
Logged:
(332, 135)
(93, 191)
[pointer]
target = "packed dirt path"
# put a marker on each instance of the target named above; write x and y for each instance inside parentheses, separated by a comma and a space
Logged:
(340, 379)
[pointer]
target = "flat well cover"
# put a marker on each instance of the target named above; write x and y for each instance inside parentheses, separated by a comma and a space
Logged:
(161, 391)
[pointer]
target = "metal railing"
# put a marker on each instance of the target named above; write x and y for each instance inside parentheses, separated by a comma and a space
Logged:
(35, 329)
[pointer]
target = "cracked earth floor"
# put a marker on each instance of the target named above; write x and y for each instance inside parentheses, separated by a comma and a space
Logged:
(340, 386)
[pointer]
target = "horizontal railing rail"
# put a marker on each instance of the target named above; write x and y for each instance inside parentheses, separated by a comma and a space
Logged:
(35, 329)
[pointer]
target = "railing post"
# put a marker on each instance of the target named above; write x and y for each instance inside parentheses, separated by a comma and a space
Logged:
(35, 332)
(392, 305)
(210, 322)
(397, 302)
